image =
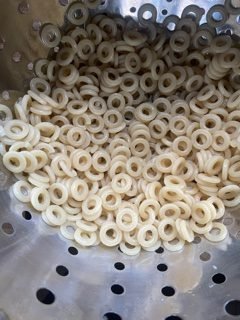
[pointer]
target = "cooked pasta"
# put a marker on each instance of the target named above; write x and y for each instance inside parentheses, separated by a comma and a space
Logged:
(130, 136)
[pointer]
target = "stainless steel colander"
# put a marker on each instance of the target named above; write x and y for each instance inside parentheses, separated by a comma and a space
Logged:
(42, 276)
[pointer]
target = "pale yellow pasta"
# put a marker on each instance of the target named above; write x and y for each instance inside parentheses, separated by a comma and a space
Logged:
(201, 139)
(221, 140)
(67, 230)
(182, 146)
(142, 235)
(40, 199)
(167, 230)
(22, 191)
(79, 189)
(14, 161)
(85, 238)
(201, 213)
(127, 136)
(171, 194)
(121, 183)
(165, 162)
(127, 219)
(200, 229)
(107, 240)
(58, 193)
(167, 83)
(175, 245)
(56, 215)
(216, 237)
(184, 230)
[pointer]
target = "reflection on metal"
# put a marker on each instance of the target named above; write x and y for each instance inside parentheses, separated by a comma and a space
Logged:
(29, 256)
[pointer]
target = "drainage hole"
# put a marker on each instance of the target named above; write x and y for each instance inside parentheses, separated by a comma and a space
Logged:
(218, 278)
(111, 316)
(159, 250)
(119, 266)
(62, 271)
(162, 267)
(26, 215)
(168, 291)
(205, 256)
(233, 307)
(73, 251)
(7, 228)
(117, 289)
(45, 296)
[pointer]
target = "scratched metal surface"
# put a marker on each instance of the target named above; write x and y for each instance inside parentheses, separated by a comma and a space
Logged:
(31, 252)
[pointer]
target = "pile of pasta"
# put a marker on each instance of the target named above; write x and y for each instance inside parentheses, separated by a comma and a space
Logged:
(129, 137)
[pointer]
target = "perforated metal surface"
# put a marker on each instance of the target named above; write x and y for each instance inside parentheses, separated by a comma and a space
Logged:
(202, 278)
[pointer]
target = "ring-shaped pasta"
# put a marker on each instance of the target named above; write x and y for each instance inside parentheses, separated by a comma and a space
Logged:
(229, 192)
(218, 205)
(14, 161)
(182, 146)
(147, 8)
(145, 112)
(16, 129)
(201, 139)
(140, 147)
(216, 237)
(147, 83)
(157, 69)
(126, 219)
(201, 39)
(67, 230)
(121, 183)
(213, 166)
(150, 172)
(223, 16)
(200, 229)
(73, 16)
(65, 56)
(201, 213)
(22, 191)
(167, 230)
(171, 194)
(194, 12)
(176, 244)
(178, 125)
(50, 35)
(167, 83)
(81, 160)
(58, 193)
(101, 161)
(39, 86)
(110, 199)
(184, 230)
(129, 249)
(56, 215)
(164, 162)
(85, 238)
(79, 190)
(179, 41)
(116, 234)
(132, 62)
(220, 141)
(105, 52)
(169, 210)
(40, 199)
(147, 235)
(92, 207)
(174, 181)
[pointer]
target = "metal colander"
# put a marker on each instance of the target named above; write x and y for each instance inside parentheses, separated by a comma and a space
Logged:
(42, 276)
